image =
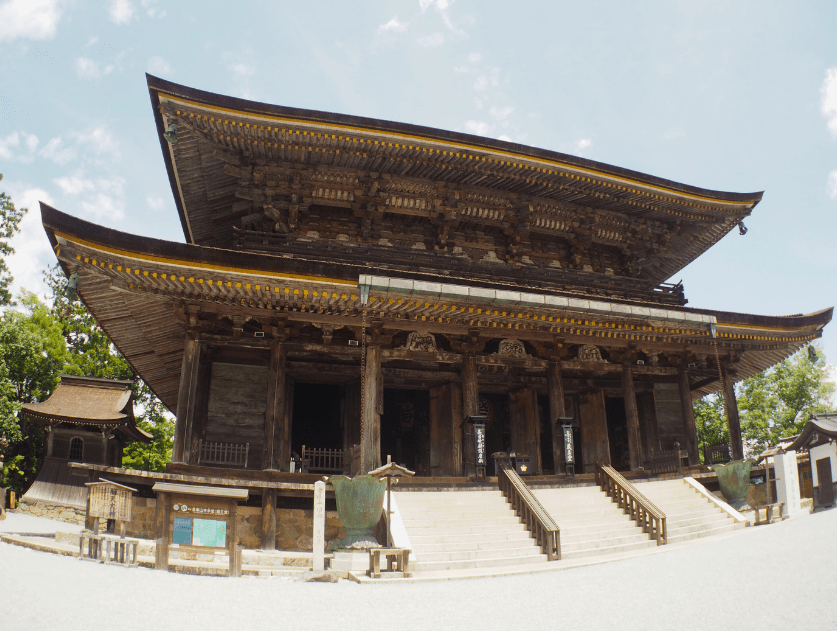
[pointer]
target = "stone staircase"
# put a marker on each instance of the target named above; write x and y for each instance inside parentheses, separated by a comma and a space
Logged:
(469, 529)
(689, 514)
(591, 524)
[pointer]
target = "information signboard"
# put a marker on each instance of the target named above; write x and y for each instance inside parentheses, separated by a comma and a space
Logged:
(199, 522)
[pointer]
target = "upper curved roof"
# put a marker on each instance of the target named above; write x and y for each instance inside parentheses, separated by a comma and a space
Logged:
(205, 188)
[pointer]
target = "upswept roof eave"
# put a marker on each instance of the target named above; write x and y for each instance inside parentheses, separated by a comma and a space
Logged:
(158, 87)
(265, 264)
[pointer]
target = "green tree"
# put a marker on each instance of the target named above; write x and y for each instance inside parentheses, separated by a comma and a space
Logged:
(779, 401)
(33, 353)
(771, 405)
(711, 421)
(10, 218)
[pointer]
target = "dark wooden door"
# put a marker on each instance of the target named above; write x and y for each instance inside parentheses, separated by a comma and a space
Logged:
(826, 486)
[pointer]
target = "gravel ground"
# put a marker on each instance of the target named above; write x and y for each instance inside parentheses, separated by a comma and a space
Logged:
(771, 577)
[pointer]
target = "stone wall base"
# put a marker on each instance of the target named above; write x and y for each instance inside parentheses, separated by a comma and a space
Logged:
(58, 512)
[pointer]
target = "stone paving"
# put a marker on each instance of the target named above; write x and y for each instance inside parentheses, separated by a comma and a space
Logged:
(769, 577)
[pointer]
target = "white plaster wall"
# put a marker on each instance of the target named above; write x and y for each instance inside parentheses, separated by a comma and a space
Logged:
(828, 450)
(787, 481)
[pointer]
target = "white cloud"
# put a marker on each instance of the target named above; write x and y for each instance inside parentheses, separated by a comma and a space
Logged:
(393, 26)
(828, 104)
(474, 58)
(159, 66)
(91, 41)
(100, 140)
(155, 203)
(56, 151)
(74, 185)
(29, 19)
(152, 10)
(33, 253)
(18, 146)
(243, 70)
(121, 11)
(580, 145)
(430, 41)
(462, 70)
(103, 200)
(832, 184)
(90, 69)
(501, 113)
(480, 128)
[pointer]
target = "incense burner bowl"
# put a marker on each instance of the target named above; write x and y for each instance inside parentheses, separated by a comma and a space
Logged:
(360, 503)
(734, 479)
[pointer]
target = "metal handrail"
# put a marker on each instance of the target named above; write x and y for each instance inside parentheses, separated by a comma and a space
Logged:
(538, 522)
(642, 510)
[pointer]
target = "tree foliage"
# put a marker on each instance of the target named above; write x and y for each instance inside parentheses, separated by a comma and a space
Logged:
(10, 218)
(771, 405)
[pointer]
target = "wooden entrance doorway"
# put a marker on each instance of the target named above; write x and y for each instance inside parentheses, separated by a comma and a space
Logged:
(825, 485)
(405, 429)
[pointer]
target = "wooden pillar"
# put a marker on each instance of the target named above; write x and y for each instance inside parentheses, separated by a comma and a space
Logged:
(275, 411)
(50, 440)
(470, 386)
(232, 543)
(162, 534)
(556, 410)
(688, 416)
(370, 439)
(185, 399)
(632, 417)
(269, 519)
(105, 448)
(736, 445)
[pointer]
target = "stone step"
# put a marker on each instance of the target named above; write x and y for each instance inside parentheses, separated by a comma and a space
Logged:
(616, 549)
(462, 546)
(709, 521)
(603, 542)
(462, 528)
(459, 514)
(728, 527)
(584, 534)
(474, 555)
(434, 566)
(454, 538)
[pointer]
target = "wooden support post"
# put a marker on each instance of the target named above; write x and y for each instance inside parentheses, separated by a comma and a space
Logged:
(104, 448)
(185, 399)
(275, 412)
(370, 440)
(688, 416)
(269, 519)
(88, 520)
(470, 387)
(556, 410)
(632, 417)
(736, 445)
(232, 542)
(50, 440)
(161, 559)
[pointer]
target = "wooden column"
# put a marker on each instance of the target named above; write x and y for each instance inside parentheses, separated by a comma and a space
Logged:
(736, 445)
(185, 399)
(632, 417)
(105, 448)
(50, 440)
(275, 411)
(269, 519)
(556, 410)
(162, 535)
(370, 439)
(470, 386)
(688, 416)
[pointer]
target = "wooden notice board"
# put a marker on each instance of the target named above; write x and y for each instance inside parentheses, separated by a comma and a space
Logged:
(200, 522)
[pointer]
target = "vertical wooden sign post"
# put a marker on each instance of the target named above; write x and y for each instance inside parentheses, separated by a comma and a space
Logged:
(319, 526)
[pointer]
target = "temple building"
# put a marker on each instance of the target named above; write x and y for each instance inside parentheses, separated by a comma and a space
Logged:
(364, 286)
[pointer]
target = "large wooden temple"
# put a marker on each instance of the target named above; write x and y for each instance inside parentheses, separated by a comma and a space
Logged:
(366, 286)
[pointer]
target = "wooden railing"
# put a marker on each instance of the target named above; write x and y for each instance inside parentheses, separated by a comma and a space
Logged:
(316, 460)
(529, 509)
(230, 454)
(716, 453)
(667, 460)
(647, 516)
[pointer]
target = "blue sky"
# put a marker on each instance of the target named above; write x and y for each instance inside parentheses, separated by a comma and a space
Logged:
(734, 96)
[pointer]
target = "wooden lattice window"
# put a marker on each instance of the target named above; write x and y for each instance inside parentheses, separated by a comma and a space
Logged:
(77, 449)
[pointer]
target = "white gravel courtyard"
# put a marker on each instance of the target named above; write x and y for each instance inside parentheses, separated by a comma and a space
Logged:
(782, 576)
